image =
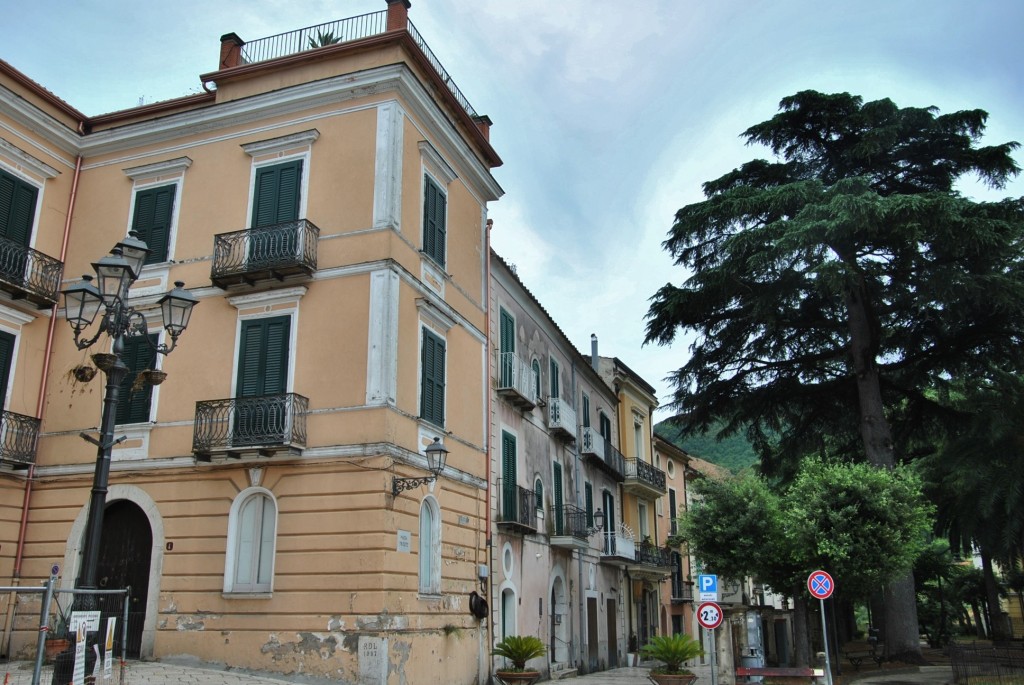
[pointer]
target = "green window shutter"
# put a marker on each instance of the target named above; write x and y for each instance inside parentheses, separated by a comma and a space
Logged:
(154, 208)
(17, 208)
(509, 501)
(432, 378)
(606, 426)
(6, 359)
(538, 492)
(435, 207)
(554, 378)
(508, 346)
(586, 410)
(588, 498)
(263, 357)
(536, 377)
(137, 355)
(277, 198)
(672, 510)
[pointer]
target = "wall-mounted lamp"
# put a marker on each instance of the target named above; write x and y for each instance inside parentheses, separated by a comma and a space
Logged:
(436, 456)
(598, 522)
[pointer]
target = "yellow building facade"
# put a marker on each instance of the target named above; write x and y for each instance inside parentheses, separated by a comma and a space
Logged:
(327, 207)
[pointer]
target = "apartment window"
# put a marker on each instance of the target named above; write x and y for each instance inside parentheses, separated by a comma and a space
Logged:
(151, 220)
(585, 404)
(588, 500)
(605, 425)
(644, 529)
(672, 511)
(135, 398)
(509, 498)
(262, 371)
(432, 360)
(638, 438)
(252, 536)
(17, 208)
(435, 206)
(677, 575)
(559, 518)
(536, 377)
(554, 379)
(538, 493)
(507, 342)
(277, 193)
(430, 547)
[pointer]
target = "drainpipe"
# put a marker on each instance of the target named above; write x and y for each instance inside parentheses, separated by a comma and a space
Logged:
(488, 626)
(41, 403)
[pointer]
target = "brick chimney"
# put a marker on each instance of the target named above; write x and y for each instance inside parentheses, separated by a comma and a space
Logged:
(398, 14)
(483, 122)
(230, 50)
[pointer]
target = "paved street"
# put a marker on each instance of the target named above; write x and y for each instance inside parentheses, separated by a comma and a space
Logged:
(156, 673)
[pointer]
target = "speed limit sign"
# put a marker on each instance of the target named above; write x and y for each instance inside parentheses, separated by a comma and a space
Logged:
(709, 615)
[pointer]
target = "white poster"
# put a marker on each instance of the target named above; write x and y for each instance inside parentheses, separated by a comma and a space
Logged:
(108, 649)
(78, 674)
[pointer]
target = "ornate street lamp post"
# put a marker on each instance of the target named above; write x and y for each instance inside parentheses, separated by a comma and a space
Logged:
(115, 274)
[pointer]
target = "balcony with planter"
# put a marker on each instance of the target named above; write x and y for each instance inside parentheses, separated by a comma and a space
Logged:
(250, 426)
(601, 453)
(30, 275)
(516, 381)
(569, 528)
(19, 437)
(517, 508)
(561, 419)
(651, 562)
(285, 252)
(644, 479)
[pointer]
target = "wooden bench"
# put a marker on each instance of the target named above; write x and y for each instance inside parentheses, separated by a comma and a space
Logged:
(856, 658)
(781, 673)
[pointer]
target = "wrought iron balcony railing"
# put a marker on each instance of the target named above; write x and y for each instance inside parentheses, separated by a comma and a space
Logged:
(647, 475)
(268, 252)
(266, 424)
(561, 418)
(517, 507)
(570, 520)
(649, 554)
(19, 437)
(516, 381)
(600, 452)
(344, 31)
(618, 544)
(29, 274)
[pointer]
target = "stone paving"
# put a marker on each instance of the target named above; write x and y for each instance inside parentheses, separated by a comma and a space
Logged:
(158, 673)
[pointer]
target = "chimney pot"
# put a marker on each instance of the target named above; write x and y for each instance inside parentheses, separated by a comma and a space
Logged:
(398, 14)
(230, 50)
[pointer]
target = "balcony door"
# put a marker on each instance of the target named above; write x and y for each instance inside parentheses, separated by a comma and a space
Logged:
(509, 495)
(559, 514)
(276, 200)
(261, 411)
(508, 348)
(17, 210)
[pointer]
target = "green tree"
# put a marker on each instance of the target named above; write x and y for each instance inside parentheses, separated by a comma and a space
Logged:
(862, 524)
(842, 280)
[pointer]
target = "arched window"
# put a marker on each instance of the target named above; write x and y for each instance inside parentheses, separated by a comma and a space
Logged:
(536, 378)
(430, 547)
(538, 491)
(252, 539)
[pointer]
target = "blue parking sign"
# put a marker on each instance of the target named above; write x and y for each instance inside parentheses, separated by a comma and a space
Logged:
(707, 586)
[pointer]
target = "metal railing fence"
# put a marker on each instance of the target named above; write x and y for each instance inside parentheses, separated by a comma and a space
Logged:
(986, 664)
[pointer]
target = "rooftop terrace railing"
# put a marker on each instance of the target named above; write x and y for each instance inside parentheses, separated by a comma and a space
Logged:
(344, 31)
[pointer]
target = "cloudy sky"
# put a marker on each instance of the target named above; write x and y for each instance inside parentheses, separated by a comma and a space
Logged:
(608, 114)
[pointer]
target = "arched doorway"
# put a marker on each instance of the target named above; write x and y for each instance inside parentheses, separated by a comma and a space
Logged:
(559, 633)
(126, 547)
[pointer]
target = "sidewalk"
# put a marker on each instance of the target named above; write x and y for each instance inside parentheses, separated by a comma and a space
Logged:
(157, 673)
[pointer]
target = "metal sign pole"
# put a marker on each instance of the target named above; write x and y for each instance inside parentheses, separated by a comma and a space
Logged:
(714, 656)
(824, 636)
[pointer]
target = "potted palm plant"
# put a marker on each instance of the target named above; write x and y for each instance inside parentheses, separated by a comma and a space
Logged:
(518, 649)
(672, 651)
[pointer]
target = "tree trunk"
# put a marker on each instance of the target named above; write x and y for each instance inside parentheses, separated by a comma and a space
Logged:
(902, 632)
(801, 635)
(998, 627)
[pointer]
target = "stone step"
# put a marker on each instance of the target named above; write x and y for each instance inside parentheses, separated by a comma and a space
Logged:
(564, 673)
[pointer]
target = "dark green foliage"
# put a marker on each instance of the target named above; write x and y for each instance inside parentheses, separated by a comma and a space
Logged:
(845, 279)
(862, 524)
(519, 649)
(673, 651)
(734, 452)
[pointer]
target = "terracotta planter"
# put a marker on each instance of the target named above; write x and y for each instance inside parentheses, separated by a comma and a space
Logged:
(672, 678)
(517, 677)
